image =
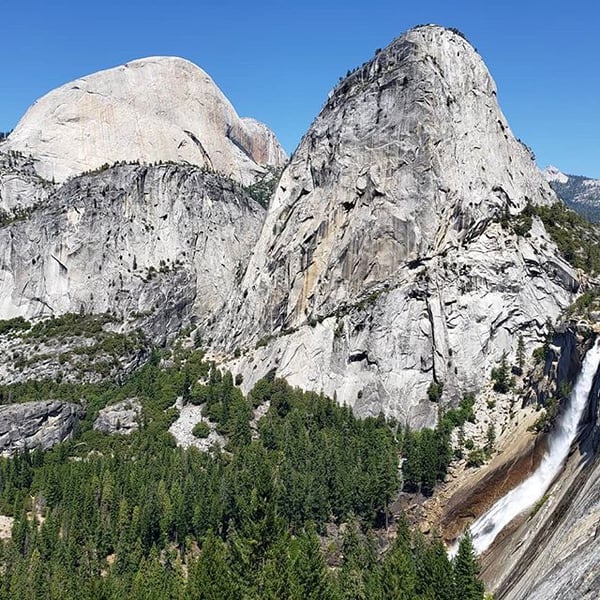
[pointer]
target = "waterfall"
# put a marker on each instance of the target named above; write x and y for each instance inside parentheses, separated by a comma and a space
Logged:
(485, 529)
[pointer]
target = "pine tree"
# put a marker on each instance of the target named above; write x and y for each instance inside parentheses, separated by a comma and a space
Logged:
(520, 355)
(240, 433)
(35, 577)
(399, 576)
(275, 581)
(411, 466)
(210, 577)
(429, 460)
(466, 571)
(152, 580)
(350, 578)
(490, 437)
(435, 572)
(311, 580)
(501, 376)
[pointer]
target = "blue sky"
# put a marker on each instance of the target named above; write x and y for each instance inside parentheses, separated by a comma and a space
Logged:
(276, 61)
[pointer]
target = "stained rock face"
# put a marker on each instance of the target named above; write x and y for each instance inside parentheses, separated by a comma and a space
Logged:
(34, 425)
(560, 557)
(262, 144)
(382, 265)
(554, 552)
(122, 418)
(159, 243)
(148, 110)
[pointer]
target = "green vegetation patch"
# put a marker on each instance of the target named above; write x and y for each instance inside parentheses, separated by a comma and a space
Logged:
(201, 430)
(18, 214)
(15, 325)
(427, 453)
(501, 376)
(70, 325)
(263, 189)
(88, 346)
(577, 239)
(588, 302)
(136, 517)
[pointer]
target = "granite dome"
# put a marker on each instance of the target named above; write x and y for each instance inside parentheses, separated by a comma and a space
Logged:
(156, 109)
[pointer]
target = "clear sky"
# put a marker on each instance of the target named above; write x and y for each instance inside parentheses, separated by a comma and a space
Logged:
(277, 60)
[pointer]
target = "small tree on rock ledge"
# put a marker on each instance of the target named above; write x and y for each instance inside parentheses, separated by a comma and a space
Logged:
(501, 376)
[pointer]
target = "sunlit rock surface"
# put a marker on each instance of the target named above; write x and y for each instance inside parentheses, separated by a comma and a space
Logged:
(123, 417)
(382, 265)
(156, 243)
(149, 110)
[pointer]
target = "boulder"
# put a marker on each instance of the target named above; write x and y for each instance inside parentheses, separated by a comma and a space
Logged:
(36, 425)
(122, 418)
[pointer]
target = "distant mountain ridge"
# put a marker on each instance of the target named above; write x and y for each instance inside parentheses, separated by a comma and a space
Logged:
(577, 191)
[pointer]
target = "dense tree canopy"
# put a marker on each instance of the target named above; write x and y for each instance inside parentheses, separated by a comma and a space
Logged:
(109, 517)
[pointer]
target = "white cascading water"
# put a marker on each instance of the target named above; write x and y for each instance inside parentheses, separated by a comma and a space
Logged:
(485, 529)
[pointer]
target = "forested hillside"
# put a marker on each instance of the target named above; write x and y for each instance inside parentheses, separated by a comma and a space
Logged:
(135, 516)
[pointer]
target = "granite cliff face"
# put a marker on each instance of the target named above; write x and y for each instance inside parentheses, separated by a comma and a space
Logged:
(33, 425)
(149, 110)
(383, 264)
(21, 188)
(153, 244)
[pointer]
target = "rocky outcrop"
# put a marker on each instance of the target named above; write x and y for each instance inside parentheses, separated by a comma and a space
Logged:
(182, 429)
(520, 449)
(109, 352)
(6, 524)
(562, 554)
(154, 245)
(383, 264)
(555, 375)
(21, 188)
(122, 418)
(148, 110)
(34, 425)
(589, 439)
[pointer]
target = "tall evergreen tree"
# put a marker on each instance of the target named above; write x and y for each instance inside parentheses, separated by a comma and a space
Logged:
(435, 573)
(210, 577)
(466, 571)
(360, 575)
(501, 376)
(399, 576)
(429, 460)
(520, 355)
(311, 581)
(411, 465)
